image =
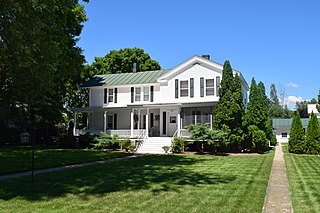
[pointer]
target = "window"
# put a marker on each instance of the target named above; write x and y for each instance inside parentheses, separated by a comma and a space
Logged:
(110, 122)
(284, 134)
(110, 97)
(145, 93)
(137, 94)
(105, 96)
(209, 87)
(183, 88)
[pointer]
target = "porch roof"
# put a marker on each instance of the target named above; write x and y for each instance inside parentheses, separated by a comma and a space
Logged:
(143, 77)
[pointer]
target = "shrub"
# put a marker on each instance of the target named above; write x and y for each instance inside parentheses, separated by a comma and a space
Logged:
(296, 140)
(125, 144)
(166, 149)
(87, 140)
(179, 144)
(66, 141)
(313, 136)
(258, 138)
(105, 141)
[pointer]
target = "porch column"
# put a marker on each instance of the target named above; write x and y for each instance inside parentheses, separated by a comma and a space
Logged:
(105, 121)
(74, 123)
(88, 119)
(195, 119)
(178, 123)
(147, 123)
(139, 120)
(210, 121)
(131, 122)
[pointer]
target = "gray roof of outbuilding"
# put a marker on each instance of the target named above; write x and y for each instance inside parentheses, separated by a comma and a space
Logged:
(282, 122)
(132, 78)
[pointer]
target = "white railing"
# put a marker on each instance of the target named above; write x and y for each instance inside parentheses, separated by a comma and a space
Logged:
(122, 133)
(184, 133)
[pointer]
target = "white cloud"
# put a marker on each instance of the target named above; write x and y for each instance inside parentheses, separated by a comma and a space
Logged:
(292, 85)
(291, 100)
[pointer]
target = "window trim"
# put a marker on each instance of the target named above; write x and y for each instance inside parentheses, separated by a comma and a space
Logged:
(136, 95)
(147, 88)
(110, 95)
(186, 88)
(211, 87)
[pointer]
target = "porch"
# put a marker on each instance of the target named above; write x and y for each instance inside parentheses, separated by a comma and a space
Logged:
(140, 122)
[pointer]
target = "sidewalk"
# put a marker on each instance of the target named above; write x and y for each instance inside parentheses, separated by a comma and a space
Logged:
(278, 197)
(53, 169)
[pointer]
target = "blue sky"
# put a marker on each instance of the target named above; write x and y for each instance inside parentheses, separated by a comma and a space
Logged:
(273, 41)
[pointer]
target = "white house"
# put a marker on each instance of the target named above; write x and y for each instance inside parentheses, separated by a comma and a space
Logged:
(153, 104)
(313, 108)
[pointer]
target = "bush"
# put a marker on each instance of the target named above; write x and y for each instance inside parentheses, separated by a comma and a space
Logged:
(87, 140)
(66, 141)
(105, 141)
(125, 144)
(258, 139)
(166, 149)
(179, 144)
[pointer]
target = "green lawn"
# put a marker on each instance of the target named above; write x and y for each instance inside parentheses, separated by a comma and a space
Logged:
(304, 181)
(19, 159)
(152, 183)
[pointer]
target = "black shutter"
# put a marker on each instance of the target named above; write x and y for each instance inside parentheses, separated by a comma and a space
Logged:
(151, 93)
(191, 88)
(132, 94)
(176, 88)
(201, 87)
(115, 121)
(115, 95)
(218, 84)
(105, 96)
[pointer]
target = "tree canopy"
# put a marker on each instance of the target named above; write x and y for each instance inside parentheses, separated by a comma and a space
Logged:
(39, 59)
(121, 61)
(296, 140)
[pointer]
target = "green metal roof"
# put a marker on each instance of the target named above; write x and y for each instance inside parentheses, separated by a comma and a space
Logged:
(125, 78)
(281, 122)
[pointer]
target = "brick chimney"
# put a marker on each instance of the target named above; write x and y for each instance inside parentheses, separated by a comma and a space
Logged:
(206, 57)
(135, 67)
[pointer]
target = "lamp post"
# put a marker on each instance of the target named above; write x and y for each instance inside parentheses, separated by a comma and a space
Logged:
(25, 138)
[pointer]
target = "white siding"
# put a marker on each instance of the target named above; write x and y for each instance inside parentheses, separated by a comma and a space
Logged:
(195, 72)
(96, 97)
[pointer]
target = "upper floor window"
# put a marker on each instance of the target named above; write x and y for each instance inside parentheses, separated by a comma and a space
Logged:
(183, 88)
(145, 93)
(137, 94)
(209, 87)
(110, 97)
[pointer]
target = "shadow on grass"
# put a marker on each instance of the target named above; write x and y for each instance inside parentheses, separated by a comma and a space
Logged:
(154, 173)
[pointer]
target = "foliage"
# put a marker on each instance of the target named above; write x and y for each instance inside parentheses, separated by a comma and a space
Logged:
(166, 149)
(258, 139)
(297, 137)
(217, 138)
(198, 131)
(179, 144)
(312, 140)
(273, 95)
(40, 63)
(125, 144)
(302, 108)
(229, 110)
(106, 141)
(121, 61)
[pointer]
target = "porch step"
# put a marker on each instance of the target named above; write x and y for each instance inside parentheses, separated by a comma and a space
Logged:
(153, 145)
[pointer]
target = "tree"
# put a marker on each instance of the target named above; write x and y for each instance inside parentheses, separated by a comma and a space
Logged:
(121, 61)
(297, 136)
(302, 109)
(256, 115)
(313, 136)
(229, 111)
(273, 95)
(39, 60)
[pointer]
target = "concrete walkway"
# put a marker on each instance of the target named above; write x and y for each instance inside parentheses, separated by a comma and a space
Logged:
(278, 197)
(40, 171)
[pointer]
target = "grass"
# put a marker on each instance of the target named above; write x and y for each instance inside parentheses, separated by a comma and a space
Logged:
(152, 183)
(19, 159)
(304, 182)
